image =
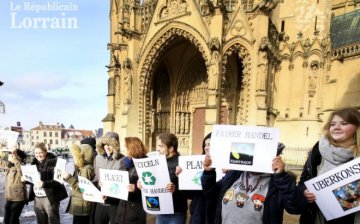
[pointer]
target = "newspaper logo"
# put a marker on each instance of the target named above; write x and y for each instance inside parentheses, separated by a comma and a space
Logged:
(242, 153)
(152, 203)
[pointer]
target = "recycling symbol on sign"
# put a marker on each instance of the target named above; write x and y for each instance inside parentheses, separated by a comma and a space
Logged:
(148, 178)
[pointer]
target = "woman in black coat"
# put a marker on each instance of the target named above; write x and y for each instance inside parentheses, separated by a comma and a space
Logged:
(131, 211)
(339, 145)
(46, 193)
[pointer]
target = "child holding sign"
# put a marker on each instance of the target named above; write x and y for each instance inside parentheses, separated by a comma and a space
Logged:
(248, 197)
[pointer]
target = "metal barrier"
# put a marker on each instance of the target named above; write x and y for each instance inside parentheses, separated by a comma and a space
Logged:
(295, 157)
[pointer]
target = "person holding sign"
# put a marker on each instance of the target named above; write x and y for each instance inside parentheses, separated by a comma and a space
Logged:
(83, 156)
(167, 145)
(46, 193)
(339, 145)
(249, 197)
(108, 157)
(131, 211)
(202, 209)
(15, 189)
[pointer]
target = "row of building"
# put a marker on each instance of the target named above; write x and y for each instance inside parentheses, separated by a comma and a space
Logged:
(53, 135)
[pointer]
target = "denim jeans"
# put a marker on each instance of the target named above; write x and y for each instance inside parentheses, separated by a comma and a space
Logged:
(176, 218)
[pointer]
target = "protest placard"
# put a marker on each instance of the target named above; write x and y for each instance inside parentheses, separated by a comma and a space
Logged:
(8, 140)
(192, 169)
(114, 183)
(59, 168)
(248, 148)
(89, 191)
(338, 190)
(154, 176)
(30, 173)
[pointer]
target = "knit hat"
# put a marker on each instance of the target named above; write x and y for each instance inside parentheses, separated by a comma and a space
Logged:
(111, 139)
(89, 141)
(21, 155)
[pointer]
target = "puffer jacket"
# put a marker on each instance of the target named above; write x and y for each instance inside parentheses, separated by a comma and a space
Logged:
(15, 190)
(54, 190)
(278, 198)
(83, 160)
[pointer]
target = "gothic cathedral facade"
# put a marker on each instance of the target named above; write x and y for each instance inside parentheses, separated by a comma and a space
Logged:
(184, 65)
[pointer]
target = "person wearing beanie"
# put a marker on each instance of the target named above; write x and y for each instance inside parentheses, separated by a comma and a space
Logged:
(15, 189)
(108, 157)
(89, 141)
(83, 156)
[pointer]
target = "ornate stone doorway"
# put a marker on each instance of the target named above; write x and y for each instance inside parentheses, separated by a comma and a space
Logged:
(178, 89)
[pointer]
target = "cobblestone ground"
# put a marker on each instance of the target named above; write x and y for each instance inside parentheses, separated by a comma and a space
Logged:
(28, 215)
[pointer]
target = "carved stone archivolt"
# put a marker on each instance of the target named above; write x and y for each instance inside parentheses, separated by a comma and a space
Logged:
(245, 57)
(150, 63)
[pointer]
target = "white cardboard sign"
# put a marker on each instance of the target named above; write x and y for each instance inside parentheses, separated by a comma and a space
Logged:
(192, 169)
(59, 168)
(338, 190)
(154, 176)
(114, 183)
(89, 191)
(248, 148)
(8, 140)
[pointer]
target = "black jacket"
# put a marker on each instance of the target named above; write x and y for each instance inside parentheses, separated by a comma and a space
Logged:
(278, 198)
(179, 198)
(202, 209)
(131, 211)
(309, 211)
(53, 189)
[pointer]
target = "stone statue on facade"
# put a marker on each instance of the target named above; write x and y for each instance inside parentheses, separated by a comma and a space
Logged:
(214, 71)
(128, 80)
(262, 72)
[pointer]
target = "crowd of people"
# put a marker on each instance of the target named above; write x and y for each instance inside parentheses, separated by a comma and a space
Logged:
(239, 197)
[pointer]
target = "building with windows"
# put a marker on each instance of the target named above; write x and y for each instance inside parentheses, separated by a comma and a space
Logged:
(183, 66)
(53, 135)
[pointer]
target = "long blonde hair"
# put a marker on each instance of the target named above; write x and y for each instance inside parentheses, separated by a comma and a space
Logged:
(350, 115)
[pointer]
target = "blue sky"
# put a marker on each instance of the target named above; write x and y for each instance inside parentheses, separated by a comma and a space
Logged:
(54, 75)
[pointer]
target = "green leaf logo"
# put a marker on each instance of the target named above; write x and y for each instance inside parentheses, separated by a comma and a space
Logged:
(235, 154)
(148, 204)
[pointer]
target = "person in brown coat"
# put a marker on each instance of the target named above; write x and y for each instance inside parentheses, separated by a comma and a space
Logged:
(15, 189)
